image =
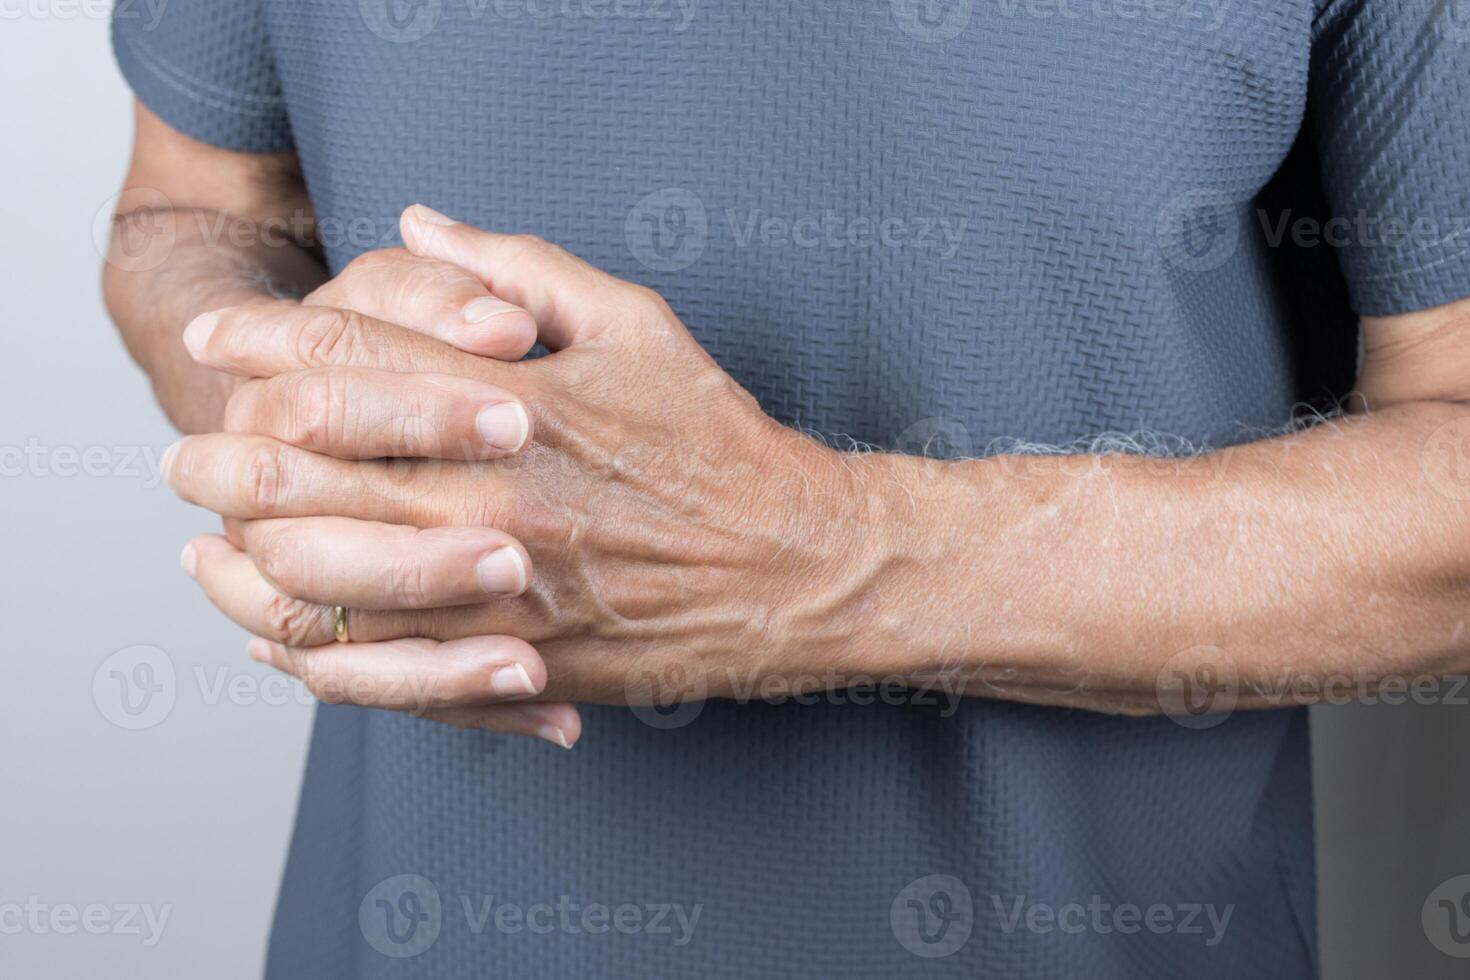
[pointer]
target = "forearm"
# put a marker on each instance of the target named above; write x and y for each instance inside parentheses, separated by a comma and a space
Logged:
(676, 531)
(201, 272)
(1075, 580)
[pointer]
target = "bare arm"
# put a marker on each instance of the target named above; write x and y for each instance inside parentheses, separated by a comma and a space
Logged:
(199, 228)
(678, 532)
(1338, 553)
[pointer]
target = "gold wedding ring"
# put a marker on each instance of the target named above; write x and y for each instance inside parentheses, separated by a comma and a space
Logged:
(339, 623)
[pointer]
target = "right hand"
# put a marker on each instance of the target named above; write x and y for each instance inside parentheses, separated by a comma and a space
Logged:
(446, 302)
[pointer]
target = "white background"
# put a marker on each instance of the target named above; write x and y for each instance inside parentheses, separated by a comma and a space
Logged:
(192, 814)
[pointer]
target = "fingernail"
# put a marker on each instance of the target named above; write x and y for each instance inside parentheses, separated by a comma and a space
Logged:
(482, 309)
(433, 217)
(504, 425)
(198, 332)
(554, 735)
(502, 572)
(259, 650)
(512, 681)
(166, 461)
(189, 559)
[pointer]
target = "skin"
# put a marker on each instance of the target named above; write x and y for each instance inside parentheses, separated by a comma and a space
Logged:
(672, 531)
(193, 233)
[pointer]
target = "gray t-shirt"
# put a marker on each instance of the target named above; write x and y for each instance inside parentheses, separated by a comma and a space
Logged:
(921, 224)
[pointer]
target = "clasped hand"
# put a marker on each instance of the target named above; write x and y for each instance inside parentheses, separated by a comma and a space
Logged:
(510, 536)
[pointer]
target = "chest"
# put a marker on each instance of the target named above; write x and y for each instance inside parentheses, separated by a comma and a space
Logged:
(544, 110)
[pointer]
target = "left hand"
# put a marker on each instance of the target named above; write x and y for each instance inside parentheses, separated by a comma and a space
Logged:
(672, 527)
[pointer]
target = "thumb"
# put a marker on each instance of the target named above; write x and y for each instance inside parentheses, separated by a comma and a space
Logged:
(569, 299)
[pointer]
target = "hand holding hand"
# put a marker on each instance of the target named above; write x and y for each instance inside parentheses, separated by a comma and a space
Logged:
(662, 519)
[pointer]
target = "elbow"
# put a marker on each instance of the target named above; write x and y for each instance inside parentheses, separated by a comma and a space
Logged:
(134, 251)
(114, 291)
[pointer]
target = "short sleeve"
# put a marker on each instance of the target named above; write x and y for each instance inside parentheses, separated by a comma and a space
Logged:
(1390, 111)
(205, 68)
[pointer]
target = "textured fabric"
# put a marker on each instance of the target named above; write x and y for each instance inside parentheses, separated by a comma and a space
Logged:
(992, 220)
(205, 65)
(1391, 87)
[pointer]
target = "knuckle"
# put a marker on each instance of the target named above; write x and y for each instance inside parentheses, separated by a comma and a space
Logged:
(529, 243)
(659, 304)
(306, 408)
(438, 280)
(277, 558)
(372, 263)
(327, 336)
(294, 622)
(639, 293)
(644, 301)
(265, 478)
(320, 409)
(411, 585)
(267, 553)
(426, 288)
(526, 251)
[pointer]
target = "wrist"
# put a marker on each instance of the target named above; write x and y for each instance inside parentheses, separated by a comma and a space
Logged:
(961, 564)
(840, 601)
(910, 550)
